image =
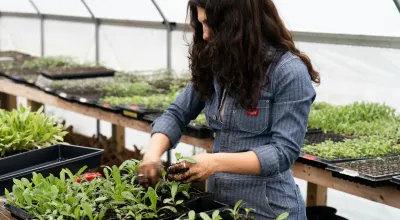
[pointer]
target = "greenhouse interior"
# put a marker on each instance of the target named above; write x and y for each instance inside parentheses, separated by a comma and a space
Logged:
(115, 109)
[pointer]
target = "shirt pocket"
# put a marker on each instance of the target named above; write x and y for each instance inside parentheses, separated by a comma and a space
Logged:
(255, 121)
(252, 192)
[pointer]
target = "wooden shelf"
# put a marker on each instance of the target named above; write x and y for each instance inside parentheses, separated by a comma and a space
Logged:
(34, 94)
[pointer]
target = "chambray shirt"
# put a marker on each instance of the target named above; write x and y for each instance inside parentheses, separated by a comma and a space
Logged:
(275, 134)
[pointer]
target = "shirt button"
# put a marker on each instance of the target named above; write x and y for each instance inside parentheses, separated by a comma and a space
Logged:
(214, 117)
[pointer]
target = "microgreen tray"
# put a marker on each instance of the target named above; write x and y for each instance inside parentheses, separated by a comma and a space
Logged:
(46, 161)
(371, 172)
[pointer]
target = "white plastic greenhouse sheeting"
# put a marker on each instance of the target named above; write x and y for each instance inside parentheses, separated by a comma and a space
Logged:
(349, 73)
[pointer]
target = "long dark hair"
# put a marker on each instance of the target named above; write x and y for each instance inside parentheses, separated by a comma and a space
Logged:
(243, 31)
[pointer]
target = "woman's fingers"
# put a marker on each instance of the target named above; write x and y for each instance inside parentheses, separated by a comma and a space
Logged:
(147, 174)
(178, 168)
(181, 176)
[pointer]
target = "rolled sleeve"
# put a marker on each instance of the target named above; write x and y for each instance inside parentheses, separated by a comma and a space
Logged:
(186, 107)
(293, 97)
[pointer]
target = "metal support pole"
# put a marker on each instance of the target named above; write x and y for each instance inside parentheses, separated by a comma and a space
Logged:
(397, 3)
(97, 49)
(169, 42)
(41, 17)
(169, 30)
(0, 31)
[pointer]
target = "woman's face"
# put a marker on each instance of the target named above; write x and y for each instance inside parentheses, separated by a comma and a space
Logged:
(202, 17)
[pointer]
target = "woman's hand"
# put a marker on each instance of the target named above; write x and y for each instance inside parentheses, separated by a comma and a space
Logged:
(149, 172)
(187, 172)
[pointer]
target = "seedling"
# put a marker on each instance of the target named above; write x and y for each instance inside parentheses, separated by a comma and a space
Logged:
(283, 216)
(235, 212)
(181, 158)
(214, 216)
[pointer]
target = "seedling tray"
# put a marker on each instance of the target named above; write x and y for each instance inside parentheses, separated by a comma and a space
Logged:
(316, 138)
(371, 172)
(319, 162)
(137, 112)
(205, 204)
(65, 96)
(107, 107)
(77, 73)
(46, 161)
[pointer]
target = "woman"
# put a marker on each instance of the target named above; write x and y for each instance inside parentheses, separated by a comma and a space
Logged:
(256, 90)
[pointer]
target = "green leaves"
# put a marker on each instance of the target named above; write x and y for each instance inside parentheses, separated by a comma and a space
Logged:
(362, 147)
(181, 158)
(153, 198)
(23, 130)
(283, 216)
(359, 119)
(117, 195)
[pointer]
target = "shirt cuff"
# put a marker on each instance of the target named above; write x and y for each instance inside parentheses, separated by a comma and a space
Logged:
(269, 160)
(169, 128)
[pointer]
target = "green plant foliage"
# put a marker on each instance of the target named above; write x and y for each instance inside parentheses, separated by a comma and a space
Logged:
(83, 86)
(181, 158)
(131, 89)
(50, 62)
(362, 147)
(359, 119)
(117, 194)
(158, 101)
(23, 130)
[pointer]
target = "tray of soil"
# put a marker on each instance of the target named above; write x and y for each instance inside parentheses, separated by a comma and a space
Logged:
(329, 152)
(371, 172)
(319, 137)
(77, 72)
(46, 161)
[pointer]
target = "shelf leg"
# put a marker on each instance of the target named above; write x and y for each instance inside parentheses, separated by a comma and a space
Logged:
(118, 132)
(8, 102)
(34, 105)
(316, 195)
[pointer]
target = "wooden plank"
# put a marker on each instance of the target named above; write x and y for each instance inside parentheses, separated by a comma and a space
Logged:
(36, 95)
(316, 195)
(34, 105)
(118, 132)
(387, 195)
(7, 101)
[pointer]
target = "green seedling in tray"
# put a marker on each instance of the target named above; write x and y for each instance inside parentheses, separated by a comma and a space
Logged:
(23, 130)
(363, 147)
(358, 119)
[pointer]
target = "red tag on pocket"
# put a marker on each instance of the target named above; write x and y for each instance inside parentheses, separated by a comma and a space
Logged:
(252, 112)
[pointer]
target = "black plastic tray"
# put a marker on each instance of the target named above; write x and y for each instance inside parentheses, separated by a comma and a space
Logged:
(136, 112)
(193, 130)
(205, 204)
(365, 179)
(92, 74)
(49, 160)
(396, 181)
(319, 162)
(316, 138)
